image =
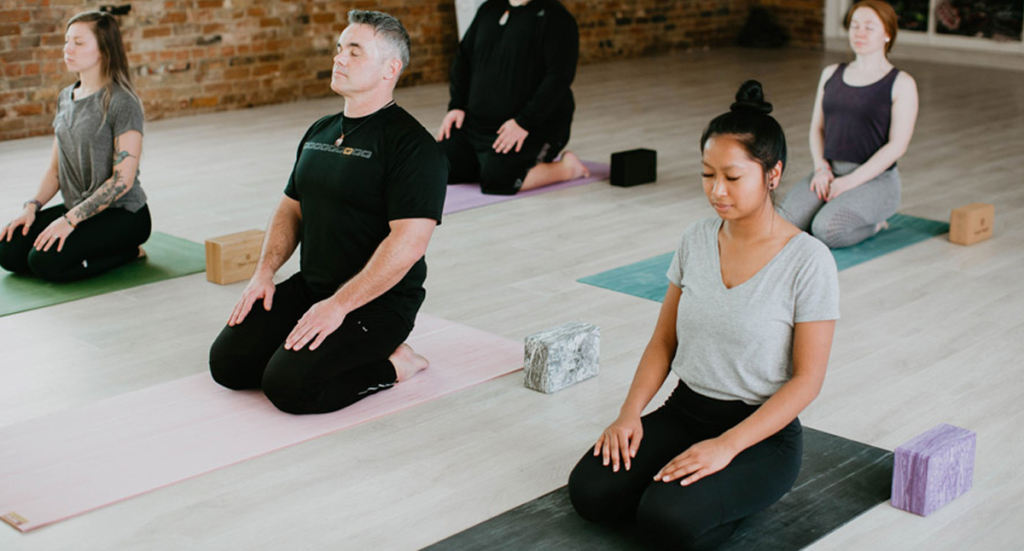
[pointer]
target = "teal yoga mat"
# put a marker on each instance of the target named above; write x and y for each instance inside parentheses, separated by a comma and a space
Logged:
(646, 279)
(166, 257)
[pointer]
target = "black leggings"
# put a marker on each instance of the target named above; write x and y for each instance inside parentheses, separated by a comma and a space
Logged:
(349, 365)
(704, 514)
(472, 159)
(98, 244)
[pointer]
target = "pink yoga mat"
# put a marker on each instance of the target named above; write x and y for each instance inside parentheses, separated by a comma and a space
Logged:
(68, 463)
(468, 196)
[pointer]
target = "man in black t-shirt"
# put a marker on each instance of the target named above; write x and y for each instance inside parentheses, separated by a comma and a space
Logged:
(365, 194)
(511, 106)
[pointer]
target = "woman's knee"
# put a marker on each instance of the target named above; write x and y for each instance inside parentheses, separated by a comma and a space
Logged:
(838, 229)
(12, 259)
(49, 265)
(594, 495)
(672, 524)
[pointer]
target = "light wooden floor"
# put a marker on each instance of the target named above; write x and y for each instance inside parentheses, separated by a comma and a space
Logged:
(930, 334)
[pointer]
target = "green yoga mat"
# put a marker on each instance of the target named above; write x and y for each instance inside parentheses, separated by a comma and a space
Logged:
(840, 479)
(166, 257)
(646, 279)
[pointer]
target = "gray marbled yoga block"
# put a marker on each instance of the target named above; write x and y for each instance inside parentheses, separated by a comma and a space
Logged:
(933, 469)
(561, 356)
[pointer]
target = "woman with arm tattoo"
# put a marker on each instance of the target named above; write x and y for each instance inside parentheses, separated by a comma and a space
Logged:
(104, 218)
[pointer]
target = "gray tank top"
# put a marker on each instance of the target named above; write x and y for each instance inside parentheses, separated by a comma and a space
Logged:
(857, 118)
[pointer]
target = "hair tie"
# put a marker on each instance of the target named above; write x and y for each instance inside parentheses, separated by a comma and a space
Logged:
(762, 107)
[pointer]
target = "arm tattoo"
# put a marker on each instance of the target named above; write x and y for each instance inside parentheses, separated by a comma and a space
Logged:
(120, 156)
(104, 196)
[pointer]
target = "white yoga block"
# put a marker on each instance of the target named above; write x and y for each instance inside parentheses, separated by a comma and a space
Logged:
(562, 356)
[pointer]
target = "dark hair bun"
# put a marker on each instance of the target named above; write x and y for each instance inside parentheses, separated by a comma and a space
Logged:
(750, 96)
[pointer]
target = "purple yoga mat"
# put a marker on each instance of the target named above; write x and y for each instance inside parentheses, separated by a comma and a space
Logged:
(468, 196)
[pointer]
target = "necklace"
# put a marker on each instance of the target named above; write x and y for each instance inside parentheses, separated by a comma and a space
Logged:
(338, 142)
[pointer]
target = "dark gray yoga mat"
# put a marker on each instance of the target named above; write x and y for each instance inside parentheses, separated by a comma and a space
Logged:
(839, 480)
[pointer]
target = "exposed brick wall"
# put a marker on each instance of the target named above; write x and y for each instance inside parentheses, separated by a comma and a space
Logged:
(195, 56)
(616, 29)
(804, 19)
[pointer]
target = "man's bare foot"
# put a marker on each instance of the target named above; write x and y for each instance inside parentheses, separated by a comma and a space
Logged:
(142, 253)
(883, 225)
(579, 170)
(407, 362)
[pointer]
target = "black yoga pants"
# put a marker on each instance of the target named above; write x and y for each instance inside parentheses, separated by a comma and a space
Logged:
(105, 241)
(349, 365)
(472, 159)
(704, 514)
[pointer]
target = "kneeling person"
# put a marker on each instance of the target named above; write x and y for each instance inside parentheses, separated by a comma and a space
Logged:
(511, 104)
(364, 197)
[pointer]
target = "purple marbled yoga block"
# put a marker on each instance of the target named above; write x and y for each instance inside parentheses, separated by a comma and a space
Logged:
(933, 469)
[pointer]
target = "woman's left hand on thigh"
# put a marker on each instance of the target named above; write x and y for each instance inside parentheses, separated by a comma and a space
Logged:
(701, 459)
(57, 232)
(838, 187)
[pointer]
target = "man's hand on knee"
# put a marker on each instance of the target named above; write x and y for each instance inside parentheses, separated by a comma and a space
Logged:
(510, 135)
(322, 319)
(455, 116)
(258, 288)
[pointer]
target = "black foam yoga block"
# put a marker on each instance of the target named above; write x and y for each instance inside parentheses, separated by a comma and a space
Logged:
(634, 167)
(839, 480)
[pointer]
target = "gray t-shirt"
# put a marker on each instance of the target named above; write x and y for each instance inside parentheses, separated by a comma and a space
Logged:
(737, 344)
(85, 142)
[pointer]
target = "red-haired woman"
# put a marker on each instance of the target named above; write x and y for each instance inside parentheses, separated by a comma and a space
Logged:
(98, 139)
(864, 116)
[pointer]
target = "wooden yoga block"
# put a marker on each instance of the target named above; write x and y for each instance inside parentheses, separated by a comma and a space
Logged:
(561, 356)
(933, 469)
(971, 223)
(634, 167)
(231, 258)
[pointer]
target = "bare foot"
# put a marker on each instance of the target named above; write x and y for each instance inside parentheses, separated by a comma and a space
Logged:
(579, 170)
(883, 225)
(407, 362)
(142, 253)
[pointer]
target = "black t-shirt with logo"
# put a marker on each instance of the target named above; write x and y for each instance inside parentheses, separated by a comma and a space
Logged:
(387, 168)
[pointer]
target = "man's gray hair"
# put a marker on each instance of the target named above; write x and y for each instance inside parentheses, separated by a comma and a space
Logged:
(386, 26)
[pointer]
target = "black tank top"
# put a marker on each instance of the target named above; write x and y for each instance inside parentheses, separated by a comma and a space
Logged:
(856, 117)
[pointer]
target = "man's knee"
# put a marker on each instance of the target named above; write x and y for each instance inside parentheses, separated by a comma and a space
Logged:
(498, 176)
(284, 386)
(230, 367)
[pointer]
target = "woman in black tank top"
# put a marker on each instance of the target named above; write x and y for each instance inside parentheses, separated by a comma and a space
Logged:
(864, 116)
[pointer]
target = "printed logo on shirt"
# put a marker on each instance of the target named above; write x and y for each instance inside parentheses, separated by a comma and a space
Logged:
(330, 148)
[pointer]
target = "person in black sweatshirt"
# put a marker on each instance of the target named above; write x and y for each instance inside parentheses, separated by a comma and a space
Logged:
(511, 106)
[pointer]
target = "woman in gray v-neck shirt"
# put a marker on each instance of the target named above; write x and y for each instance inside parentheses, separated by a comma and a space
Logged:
(747, 326)
(103, 220)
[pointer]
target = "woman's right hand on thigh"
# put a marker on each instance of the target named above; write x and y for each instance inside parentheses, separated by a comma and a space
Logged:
(24, 221)
(820, 183)
(620, 441)
(258, 288)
